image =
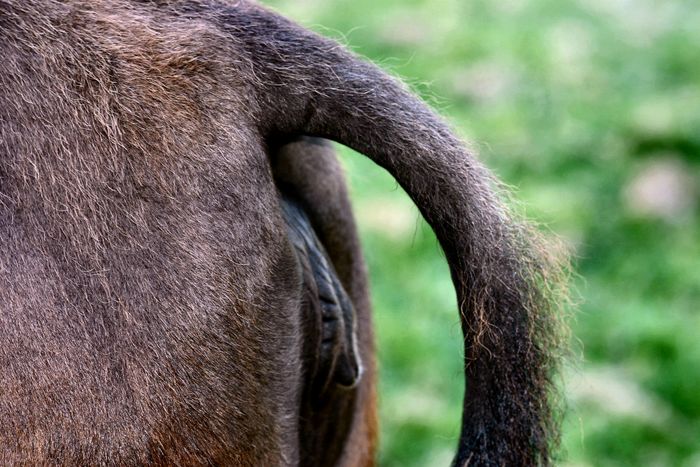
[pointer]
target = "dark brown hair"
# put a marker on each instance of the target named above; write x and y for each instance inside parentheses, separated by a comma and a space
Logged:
(148, 289)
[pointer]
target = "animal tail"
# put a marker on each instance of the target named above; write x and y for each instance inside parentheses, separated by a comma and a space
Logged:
(506, 281)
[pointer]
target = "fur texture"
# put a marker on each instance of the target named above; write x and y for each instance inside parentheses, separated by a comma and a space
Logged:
(150, 294)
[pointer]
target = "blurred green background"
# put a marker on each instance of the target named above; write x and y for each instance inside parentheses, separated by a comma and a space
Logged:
(590, 110)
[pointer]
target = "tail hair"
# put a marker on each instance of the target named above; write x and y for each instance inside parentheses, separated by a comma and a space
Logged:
(508, 281)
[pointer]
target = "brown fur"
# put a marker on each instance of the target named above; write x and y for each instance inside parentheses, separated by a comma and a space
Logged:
(149, 291)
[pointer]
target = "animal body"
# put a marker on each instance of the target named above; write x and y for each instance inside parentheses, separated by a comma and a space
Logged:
(180, 277)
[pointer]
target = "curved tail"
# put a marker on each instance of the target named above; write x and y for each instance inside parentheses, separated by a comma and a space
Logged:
(306, 84)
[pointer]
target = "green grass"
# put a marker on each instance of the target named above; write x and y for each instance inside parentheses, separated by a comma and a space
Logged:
(591, 111)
